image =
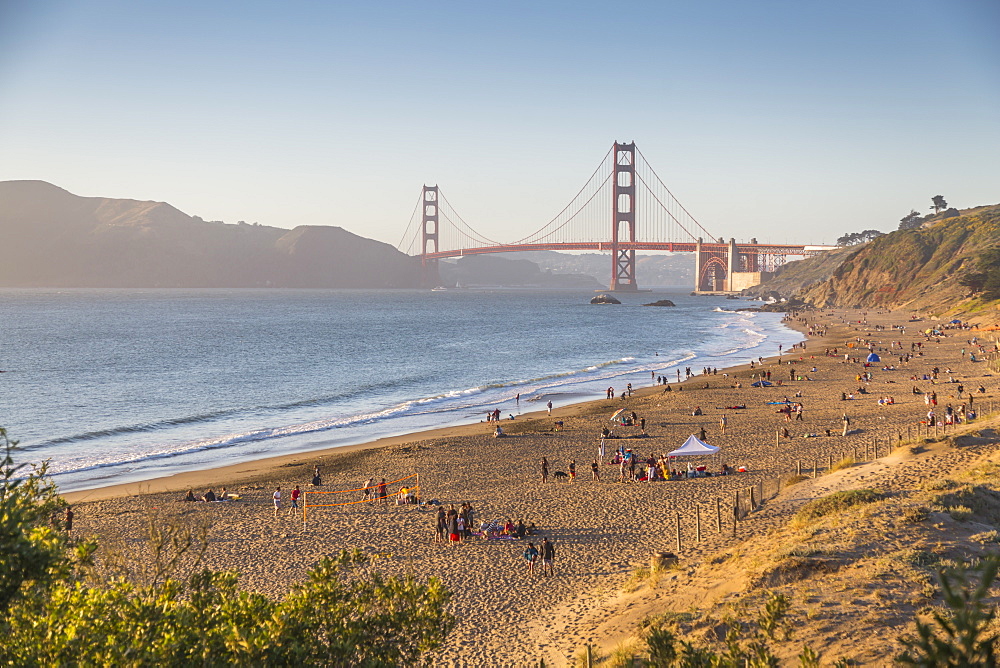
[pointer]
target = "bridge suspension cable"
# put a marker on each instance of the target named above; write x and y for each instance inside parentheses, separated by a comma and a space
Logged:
(585, 210)
(660, 217)
(658, 228)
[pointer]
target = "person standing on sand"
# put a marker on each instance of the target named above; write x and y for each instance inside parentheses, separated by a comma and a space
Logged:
(642, 425)
(440, 525)
(295, 497)
(531, 556)
(847, 424)
(68, 524)
(595, 471)
(572, 470)
(548, 558)
(549, 406)
(722, 423)
(545, 470)
(277, 500)
(383, 493)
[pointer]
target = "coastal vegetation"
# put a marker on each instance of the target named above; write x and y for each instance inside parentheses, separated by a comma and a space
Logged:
(65, 601)
(948, 262)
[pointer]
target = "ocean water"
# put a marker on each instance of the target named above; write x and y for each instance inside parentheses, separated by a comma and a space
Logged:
(115, 386)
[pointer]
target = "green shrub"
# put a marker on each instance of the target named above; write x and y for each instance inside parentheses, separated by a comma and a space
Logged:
(960, 513)
(837, 502)
(962, 635)
(915, 514)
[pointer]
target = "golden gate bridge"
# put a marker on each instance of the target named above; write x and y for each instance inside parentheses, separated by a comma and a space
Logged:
(623, 197)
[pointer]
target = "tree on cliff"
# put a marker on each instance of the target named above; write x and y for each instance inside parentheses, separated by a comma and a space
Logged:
(910, 221)
(985, 280)
(938, 203)
(854, 238)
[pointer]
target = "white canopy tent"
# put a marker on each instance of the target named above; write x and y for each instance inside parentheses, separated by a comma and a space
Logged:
(694, 446)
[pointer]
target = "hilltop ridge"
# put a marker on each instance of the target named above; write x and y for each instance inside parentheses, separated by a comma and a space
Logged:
(53, 238)
(923, 269)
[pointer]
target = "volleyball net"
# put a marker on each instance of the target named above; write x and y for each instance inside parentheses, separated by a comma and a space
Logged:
(406, 494)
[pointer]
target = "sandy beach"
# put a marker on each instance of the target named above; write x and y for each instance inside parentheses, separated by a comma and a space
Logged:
(601, 529)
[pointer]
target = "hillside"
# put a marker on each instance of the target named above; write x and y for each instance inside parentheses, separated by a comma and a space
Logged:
(52, 238)
(916, 269)
(793, 277)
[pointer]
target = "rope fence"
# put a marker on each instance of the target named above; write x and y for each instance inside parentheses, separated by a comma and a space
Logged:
(371, 494)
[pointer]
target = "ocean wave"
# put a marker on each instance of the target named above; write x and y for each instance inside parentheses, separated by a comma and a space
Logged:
(202, 418)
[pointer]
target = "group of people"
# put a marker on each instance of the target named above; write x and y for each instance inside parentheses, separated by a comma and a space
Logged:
(546, 554)
(208, 497)
(626, 393)
(633, 468)
(375, 492)
(454, 525)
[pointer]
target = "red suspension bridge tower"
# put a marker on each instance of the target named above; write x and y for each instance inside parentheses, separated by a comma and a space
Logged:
(645, 216)
(623, 212)
(429, 236)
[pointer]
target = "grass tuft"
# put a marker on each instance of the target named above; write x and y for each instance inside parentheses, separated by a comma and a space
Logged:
(845, 463)
(837, 502)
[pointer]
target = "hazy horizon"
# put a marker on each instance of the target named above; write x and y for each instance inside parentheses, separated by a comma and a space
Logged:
(782, 121)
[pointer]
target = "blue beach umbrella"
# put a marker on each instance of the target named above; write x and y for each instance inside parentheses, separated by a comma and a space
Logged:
(874, 358)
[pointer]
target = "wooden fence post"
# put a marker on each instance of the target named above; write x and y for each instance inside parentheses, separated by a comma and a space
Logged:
(718, 515)
(815, 467)
(798, 467)
(697, 523)
(829, 462)
(677, 519)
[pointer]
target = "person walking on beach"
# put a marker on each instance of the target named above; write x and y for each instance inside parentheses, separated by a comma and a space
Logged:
(549, 406)
(847, 424)
(531, 556)
(295, 497)
(572, 470)
(548, 558)
(383, 493)
(277, 500)
(68, 523)
(545, 470)
(722, 423)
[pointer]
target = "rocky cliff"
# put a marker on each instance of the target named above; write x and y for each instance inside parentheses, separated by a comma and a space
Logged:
(921, 269)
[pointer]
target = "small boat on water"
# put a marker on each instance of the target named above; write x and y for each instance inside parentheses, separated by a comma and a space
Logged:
(439, 288)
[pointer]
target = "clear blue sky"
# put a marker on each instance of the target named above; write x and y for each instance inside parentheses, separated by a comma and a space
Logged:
(789, 121)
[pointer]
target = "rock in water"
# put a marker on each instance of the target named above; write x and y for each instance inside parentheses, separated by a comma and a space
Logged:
(604, 299)
(662, 302)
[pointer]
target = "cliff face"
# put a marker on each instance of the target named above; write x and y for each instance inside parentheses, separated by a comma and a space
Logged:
(792, 278)
(52, 238)
(918, 269)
